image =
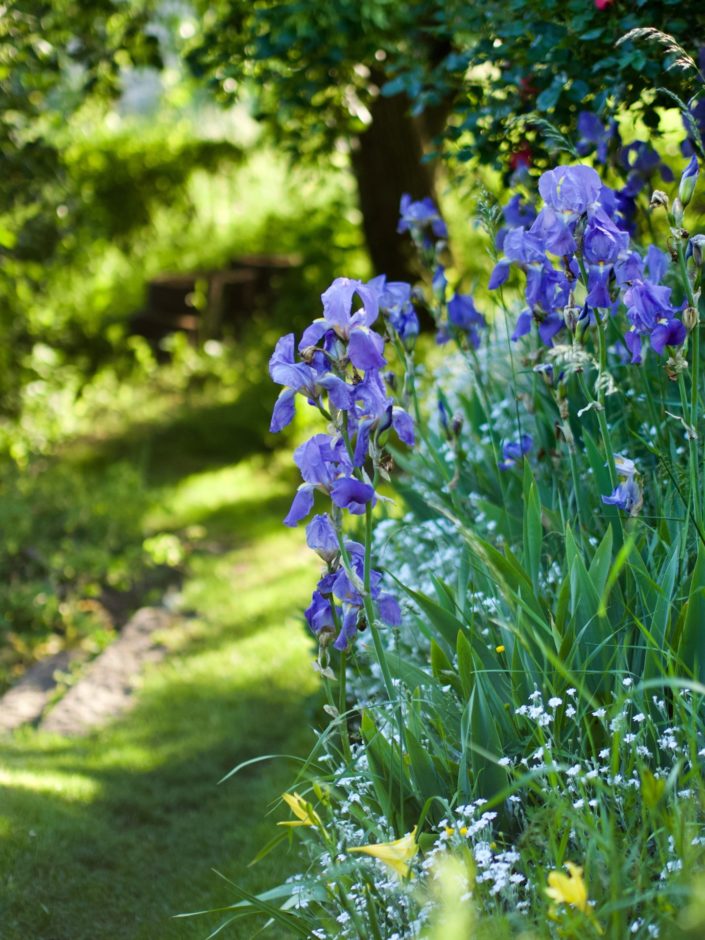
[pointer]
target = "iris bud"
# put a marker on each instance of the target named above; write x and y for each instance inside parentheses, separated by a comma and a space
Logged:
(688, 181)
(697, 244)
(571, 315)
(690, 318)
(658, 198)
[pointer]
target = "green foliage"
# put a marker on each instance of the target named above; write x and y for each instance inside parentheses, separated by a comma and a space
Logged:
(313, 71)
(502, 74)
(68, 556)
(51, 55)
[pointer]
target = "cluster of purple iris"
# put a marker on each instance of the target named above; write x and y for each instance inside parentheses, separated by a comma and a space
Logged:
(456, 316)
(637, 162)
(337, 605)
(579, 236)
(337, 367)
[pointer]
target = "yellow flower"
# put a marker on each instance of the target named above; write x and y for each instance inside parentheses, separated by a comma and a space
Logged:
(304, 812)
(500, 649)
(570, 889)
(397, 854)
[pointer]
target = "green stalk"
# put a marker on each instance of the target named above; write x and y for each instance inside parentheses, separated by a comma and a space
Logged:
(342, 692)
(694, 498)
(369, 607)
(381, 654)
(694, 384)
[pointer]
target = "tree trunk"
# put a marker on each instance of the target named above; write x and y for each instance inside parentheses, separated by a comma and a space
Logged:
(387, 163)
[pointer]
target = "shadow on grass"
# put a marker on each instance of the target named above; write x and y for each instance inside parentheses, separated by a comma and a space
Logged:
(148, 840)
(129, 823)
(193, 439)
(112, 835)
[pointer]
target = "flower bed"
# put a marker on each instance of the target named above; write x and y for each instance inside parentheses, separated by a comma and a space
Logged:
(515, 660)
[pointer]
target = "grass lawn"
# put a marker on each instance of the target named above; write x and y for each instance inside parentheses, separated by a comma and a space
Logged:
(110, 835)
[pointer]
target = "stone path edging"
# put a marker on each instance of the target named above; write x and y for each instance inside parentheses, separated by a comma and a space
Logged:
(103, 692)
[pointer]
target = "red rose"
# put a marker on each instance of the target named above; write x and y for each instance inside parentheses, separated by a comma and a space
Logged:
(603, 4)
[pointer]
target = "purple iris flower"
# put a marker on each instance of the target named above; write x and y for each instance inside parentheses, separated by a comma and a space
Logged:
(626, 496)
(630, 267)
(642, 161)
(570, 190)
(656, 264)
(464, 315)
(321, 537)
(395, 303)
(321, 461)
(352, 494)
(312, 380)
(632, 340)
(594, 135)
(553, 232)
(319, 614)
(549, 326)
(518, 211)
(524, 247)
(346, 591)
(373, 411)
(671, 333)
(365, 347)
(513, 451)
(439, 282)
(646, 304)
(546, 288)
(500, 273)
(521, 247)
(523, 325)
(422, 218)
(603, 242)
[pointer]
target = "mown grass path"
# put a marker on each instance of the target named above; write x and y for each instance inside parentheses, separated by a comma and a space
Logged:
(111, 835)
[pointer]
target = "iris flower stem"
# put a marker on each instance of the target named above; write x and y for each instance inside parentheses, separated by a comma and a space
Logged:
(607, 444)
(694, 500)
(474, 363)
(694, 385)
(369, 607)
(602, 368)
(342, 691)
(407, 361)
(604, 430)
(410, 382)
(381, 653)
(367, 597)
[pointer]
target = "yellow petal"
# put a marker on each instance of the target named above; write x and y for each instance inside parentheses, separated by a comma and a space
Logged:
(568, 889)
(397, 855)
(301, 809)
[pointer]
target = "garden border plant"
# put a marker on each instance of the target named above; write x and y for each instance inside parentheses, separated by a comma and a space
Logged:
(526, 717)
